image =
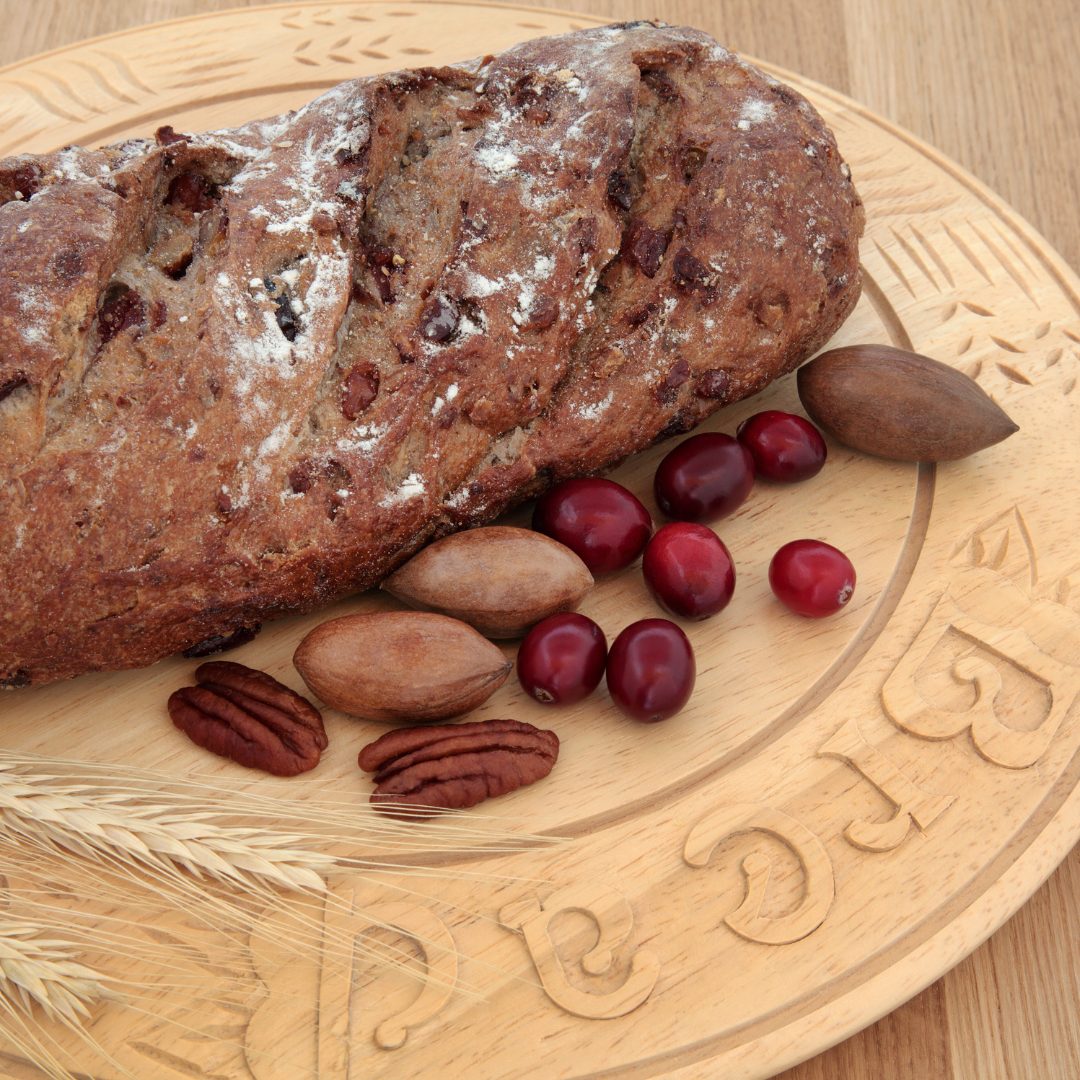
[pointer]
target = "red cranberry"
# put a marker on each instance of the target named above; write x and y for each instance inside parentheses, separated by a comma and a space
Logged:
(812, 578)
(359, 389)
(650, 670)
(599, 520)
(689, 570)
(191, 191)
(645, 246)
(785, 447)
(705, 477)
(121, 308)
(562, 659)
(439, 319)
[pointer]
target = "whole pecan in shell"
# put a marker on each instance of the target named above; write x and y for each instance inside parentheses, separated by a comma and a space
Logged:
(498, 579)
(405, 666)
(454, 766)
(251, 718)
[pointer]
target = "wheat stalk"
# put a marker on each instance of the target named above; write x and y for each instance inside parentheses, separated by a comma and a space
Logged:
(140, 830)
(43, 970)
(129, 822)
(35, 807)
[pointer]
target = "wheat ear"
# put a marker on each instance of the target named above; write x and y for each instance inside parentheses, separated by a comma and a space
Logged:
(127, 827)
(41, 969)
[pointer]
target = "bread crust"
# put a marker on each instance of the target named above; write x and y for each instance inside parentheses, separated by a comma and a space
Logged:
(248, 372)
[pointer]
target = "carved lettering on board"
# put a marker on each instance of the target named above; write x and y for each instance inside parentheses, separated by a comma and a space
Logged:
(614, 919)
(341, 1053)
(911, 802)
(1003, 626)
(747, 919)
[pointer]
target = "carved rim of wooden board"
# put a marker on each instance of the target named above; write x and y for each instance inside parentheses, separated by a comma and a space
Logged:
(797, 854)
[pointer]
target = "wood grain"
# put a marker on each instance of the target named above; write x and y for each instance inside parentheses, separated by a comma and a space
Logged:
(1010, 1009)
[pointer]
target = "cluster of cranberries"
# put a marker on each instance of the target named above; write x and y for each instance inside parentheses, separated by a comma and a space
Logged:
(687, 568)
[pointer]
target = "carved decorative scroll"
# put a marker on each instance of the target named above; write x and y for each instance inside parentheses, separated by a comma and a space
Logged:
(1039, 637)
(614, 920)
(912, 803)
(747, 920)
(340, 1052)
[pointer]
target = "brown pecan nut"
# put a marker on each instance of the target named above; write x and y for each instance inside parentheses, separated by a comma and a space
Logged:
(454, 766)
(251, 718)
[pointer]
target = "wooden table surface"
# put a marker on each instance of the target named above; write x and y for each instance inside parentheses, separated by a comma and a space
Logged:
(996, 86)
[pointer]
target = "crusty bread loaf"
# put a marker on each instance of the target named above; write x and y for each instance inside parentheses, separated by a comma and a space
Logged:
(247, 372)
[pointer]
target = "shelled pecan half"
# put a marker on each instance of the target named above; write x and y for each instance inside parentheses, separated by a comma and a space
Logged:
(454, 766)
(249, 717)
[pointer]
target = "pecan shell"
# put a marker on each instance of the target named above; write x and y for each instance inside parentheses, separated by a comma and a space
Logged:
(249, 717)
(455, 766)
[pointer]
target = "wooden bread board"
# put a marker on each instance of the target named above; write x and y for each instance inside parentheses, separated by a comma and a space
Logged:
(846, 808)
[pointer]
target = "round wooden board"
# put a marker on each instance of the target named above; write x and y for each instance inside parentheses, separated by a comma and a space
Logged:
(846, 808)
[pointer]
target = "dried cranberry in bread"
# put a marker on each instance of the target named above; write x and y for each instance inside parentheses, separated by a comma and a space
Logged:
(247, 372)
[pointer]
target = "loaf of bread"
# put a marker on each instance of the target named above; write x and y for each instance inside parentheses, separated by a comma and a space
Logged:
(248, 372)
